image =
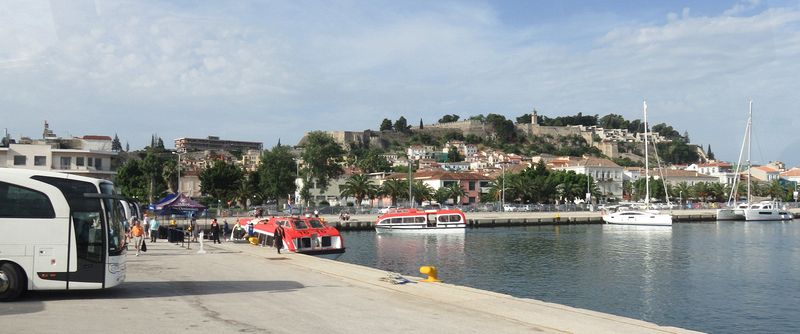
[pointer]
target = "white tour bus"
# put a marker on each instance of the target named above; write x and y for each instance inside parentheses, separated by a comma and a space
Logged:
(59, 232)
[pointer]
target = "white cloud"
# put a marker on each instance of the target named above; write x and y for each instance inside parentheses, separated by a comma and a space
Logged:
(259, 71)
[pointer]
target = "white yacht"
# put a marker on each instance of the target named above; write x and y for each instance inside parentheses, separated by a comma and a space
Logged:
(646, 217)
(767, 210)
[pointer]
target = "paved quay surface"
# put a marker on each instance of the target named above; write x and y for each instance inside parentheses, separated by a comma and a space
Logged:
(239, 288)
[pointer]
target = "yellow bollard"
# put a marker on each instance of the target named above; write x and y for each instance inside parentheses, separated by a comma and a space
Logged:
(253, 240)
(558, 217)
(431, 272)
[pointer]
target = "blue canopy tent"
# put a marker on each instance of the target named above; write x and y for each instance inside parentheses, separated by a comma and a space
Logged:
(179, 204)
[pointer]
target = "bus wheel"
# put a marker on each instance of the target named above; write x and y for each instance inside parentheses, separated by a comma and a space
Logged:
(10, 282)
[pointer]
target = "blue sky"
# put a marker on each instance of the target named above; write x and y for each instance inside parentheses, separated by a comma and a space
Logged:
(264, 70)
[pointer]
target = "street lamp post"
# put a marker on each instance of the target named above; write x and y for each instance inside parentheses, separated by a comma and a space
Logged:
(179, 152)
(680, 198)
(503, 190)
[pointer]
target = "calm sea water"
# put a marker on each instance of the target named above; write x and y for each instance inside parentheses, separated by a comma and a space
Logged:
(725, 277)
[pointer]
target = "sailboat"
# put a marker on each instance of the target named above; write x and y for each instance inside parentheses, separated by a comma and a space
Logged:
(645, 217)
(735, 211)
(764, 210)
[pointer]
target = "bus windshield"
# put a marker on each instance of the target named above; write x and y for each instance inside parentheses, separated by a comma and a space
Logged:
(115, 216)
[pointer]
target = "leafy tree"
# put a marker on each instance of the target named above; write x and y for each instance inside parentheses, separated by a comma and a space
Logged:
(453, 155)
(276, 174)
(116, 145)
(132, 180)
(358, 186)
(169, 174)
(710, 154)
(320, 154)
(524, 119)
(448, 119)
(452, 135)
(473, 139)
(479, 118)
(422, 138)
(401, 125)
(677, 152)
(221, 181)
(127, 147)
(504, 129)
(386, 125)
(373, 162)
(613, 121)
(153, 167)
(420, 124)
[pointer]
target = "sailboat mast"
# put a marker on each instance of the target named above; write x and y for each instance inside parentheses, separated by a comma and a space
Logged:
(646, 158)
(749, 135)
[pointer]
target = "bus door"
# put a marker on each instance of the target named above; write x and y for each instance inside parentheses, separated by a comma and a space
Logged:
(87, 238)
(90, 249)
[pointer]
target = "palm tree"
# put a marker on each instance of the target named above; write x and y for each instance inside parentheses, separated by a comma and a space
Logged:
(422, 192)
(775, 190)
(394, 188)
(682, 190)
(456, 193)
(358, 186)
(442, 195)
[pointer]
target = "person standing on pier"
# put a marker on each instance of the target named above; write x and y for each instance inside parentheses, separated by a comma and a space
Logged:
(215, 231)
(153, 230)
(137, 235)
(278, 238)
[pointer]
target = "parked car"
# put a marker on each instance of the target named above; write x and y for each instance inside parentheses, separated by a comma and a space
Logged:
(509, 208)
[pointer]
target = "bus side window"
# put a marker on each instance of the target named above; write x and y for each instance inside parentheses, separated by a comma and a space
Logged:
(20, 202)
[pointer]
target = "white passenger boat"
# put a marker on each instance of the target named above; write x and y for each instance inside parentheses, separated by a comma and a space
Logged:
(413, 220)
(646, 217)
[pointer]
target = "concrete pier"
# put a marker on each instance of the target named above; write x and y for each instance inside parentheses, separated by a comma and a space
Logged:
(242, 288)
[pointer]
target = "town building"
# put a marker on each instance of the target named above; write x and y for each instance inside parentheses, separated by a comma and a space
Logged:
(607, 175)
(214, 143)
(86, 156)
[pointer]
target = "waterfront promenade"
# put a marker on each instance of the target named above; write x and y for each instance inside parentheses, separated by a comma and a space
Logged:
(236, 287)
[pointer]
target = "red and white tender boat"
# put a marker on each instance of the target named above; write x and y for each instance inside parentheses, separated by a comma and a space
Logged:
(417, 220)
(306, 235)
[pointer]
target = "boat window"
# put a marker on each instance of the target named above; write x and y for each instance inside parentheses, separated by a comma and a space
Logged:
(408, 220)
(397, 220)
(443, 218)
(282, 223)
(419, 219)
(455, 218)
(300, 225)
(315, 223)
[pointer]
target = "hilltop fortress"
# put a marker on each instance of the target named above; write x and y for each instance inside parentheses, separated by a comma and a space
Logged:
(606, 140)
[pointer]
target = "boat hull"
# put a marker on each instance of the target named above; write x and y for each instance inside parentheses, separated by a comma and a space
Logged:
(457, 228)
(638, 218)
(767, 214)
(730, 214)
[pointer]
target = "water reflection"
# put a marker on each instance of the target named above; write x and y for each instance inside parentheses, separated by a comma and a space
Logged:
(406, 252)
